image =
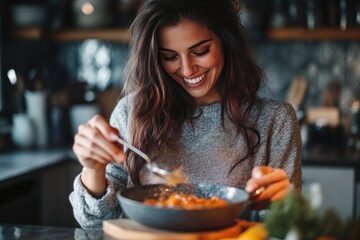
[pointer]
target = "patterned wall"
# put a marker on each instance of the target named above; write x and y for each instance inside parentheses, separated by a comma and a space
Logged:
(321, 62)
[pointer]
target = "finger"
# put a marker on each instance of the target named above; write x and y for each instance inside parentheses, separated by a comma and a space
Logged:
(251, 185)
(83, 154)
(111, 134)
(98, 122)
(280, 195)
(91, 150)
(272, 193)
(97, 138)
(273, 189)
(269, 178)
(259, 171)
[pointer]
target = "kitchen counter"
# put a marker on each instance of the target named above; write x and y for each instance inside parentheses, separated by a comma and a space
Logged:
(35, 186)
(10, 231)
(18, 163)
(330, 157)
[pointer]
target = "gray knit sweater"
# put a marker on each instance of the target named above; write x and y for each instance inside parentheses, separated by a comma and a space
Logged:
(207, 150)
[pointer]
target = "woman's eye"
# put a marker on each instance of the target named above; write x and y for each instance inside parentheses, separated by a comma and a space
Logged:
(168, 58)
(201, 53)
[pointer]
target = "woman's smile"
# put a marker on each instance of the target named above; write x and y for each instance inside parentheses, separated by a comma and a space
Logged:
(196, 81)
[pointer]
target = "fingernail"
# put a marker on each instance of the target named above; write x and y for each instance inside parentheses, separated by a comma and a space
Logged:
(250, 188)
(120, 159)
(113, 136)
(257, 174)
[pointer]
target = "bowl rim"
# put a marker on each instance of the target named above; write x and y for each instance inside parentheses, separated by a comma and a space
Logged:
(230, 203)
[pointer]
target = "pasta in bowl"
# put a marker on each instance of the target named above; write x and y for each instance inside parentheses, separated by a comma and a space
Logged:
(210, 207)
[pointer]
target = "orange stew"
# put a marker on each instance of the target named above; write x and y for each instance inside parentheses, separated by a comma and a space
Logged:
(187, 201)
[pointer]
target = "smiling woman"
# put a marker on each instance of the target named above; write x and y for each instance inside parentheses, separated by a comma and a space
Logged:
(191, 101)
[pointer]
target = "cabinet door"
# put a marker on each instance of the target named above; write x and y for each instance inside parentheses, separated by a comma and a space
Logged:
(338, 187)
(20, 201)
(57, 184)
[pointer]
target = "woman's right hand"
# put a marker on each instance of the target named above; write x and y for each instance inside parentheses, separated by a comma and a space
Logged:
(95, 144)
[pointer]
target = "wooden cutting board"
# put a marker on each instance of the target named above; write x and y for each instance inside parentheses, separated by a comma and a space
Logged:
(131, 230)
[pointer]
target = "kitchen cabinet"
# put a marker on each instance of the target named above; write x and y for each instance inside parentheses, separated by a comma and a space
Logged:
(35, 187)
(56, 186)
(338, 186)
(20, 201)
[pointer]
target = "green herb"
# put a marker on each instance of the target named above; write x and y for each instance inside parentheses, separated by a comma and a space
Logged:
(295, 212)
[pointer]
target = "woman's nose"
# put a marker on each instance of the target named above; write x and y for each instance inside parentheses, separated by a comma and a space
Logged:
(188, 68)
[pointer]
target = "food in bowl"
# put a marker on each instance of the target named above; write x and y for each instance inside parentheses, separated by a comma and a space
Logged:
(186, 201)
(179, 219)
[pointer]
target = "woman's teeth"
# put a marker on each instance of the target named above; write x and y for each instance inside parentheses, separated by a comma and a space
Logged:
(195, 80)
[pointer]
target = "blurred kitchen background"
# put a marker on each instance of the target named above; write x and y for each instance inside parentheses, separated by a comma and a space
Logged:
(74, 51)
(63, 61)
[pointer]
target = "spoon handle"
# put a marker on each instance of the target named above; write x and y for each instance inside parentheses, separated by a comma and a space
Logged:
(134, 149)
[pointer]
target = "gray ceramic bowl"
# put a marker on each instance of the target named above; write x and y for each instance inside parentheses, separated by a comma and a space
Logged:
(180, 219)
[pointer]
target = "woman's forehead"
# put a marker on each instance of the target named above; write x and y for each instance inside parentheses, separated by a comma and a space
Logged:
(183, 34)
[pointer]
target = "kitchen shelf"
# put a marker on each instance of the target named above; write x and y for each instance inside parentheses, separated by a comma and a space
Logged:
(283, 34)
(122, 34)
(36, 33)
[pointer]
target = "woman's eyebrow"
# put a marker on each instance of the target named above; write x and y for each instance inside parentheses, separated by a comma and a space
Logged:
(200, 43)
(193, 46)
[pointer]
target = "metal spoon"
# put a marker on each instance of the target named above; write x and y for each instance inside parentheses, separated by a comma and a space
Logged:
(171, 178)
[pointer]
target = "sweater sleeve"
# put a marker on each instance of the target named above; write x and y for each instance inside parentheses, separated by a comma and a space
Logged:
(285, 144)
(90, 212)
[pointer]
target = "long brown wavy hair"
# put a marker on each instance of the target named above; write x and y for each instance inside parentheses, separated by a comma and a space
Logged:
(160, 105)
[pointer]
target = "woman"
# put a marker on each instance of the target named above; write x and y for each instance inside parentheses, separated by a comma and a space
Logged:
(190, 101)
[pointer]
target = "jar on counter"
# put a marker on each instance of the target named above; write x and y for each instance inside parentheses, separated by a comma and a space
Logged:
(23, 133)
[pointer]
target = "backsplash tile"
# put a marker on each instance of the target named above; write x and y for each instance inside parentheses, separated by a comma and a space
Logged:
(98, 63)
(320, 62)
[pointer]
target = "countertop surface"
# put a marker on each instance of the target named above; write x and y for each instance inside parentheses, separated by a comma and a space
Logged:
(29, 232)
(330, 157)
(17, 163)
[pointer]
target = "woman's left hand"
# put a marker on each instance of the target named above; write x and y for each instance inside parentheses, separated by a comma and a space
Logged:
(267, 184)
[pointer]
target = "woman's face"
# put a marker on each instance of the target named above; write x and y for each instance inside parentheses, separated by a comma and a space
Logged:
(193, 56)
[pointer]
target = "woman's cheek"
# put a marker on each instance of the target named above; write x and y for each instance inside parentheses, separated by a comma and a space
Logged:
(168, 67)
